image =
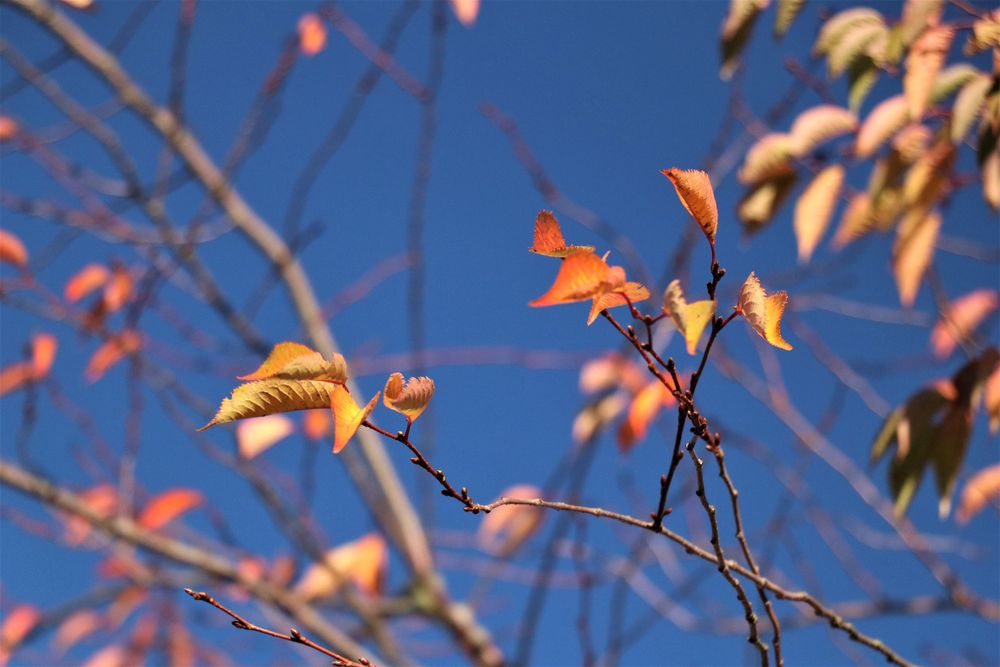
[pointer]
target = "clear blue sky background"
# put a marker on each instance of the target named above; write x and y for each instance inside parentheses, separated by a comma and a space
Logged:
(606, 95)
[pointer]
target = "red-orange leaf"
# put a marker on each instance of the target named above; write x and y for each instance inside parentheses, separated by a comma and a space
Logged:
(347, 416)
(12, 250)
(294, 361)
(362, 562)
(17, 623)
(580, 277)
(102, 500)
(312, 34)
(627, 293)
(15, 375)
(408, 398)
(77, 626)
(642, 412)
(85, 281)
(694, 188)
(111, 352)
(8, 128)
(962, 318)
(167, 506)
(549, 240)
(43, 353)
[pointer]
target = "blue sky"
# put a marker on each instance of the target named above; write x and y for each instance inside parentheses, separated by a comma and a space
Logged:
(606, 95)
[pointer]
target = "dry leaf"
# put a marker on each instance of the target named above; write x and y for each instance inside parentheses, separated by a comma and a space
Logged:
(17, 623)
(265, 397)
(362, 562)
(254, 436)
(963, 317)
(767, 158)
(763, 312)
(814, 209)
(814, 127)
(43, 353)
(409, 399)
(694, 189)
(312, 34)
(113, 350)
(881, 124)
(629, 292)
(465, 11)
(347, 416)
(294, 361)
(981, 489)
(316, 424)
(642, 411)
(12, 250)
(504, 530)
(689, 318)
(912, 253)
(923, 63)
(167, 506)
(548, 239)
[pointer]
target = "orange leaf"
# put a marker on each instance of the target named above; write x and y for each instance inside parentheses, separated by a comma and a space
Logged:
(12, 250)
(763, 312)
(580, 277)
(611, 370)
(78, 4)
(362, 562)
(982, 488)
(85, 281)
(294, 361)
(111, 352)
(549, 240)
(962, 318)
(466, 11)
(814, 209)
(347, 416)
(117, 290)
(15, 375)
(505, 529)
(912, 253)
(312, 34)
(77, 626)
(43, 353)
(167, 506)
(254, 436)
(696, 194)
(18, 623)
(881, 123)
(642, 411)
(410, 398)
(316, 424)
(8, 128)
(627, 293)
(102, 500)
(923, 62)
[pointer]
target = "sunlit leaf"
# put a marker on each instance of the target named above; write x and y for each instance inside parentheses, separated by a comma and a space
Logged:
(840, 24)
(17, 623)
(347, 416)
(113, 350)
(596, 416)
(814, 209)
(265, 397)
(736, 31)
(167, 506)
(12, 251)
(991, 399)
(912, 253)
(763, 312)
(504, 530)
(85, 281)
(767, 158)
(317, 424)
(548, 239)
(968, 103)
(254, 436)
(870, 39)
(294, 361)
(962, 318)
(787, 11)
(465, 11)
(855, 221)
(580, 277)
(980, 490)
(630, 292)
(642, 411)
(408, 398)
(763, 201)
(923, 63)
(118, 289)
(609, 371)
(880, 125)
(696, 194)
(917, 16)
(817, 125)
(312, 34)
(15, 376)
(362, 562)
(985, 34)
(689, 318)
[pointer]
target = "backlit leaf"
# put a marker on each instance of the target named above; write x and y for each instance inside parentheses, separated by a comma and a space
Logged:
(43, 353)
(763, 312)
(864, 40)
(985, 34)
(362, 562)
(840, 24)
(912, 253)
(814, 127)
(265, 397)
(85, 281)
(17, 623)
(880, 125)
(75, 627)
(968, 103)
(787, 11)
(814, 209)
(981, 489)
(254, 436)
(917, 16)
(962, 318)
(767, 158)
(630, 292)
(465, 11)
(317, 424)
(549, 240)
(580, 277)
(12, 251)
(166, 507)
(504, 530)
(736, 31)
(312, 34)
(991, 399)
(294, 361)
(642, 411)
(696, 194)
(923, 63)
(761, 203)
(408, 398)
(347, 416)
(689, 318)
(113, 350)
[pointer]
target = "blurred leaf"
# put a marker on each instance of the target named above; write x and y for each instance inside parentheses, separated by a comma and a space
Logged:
(549, 240)
(505, 530)
(923, 63)
(841, 24)
(595, 417)
(814, 209)
(962, 318)
(78, 625)
(985, 34)
(767, 158)
(855, 222)
(12, 251)
(817, 125)
(465, 11)
(762, 202)
(981, 489)
(694, 189)
(642, 411)
(787, 11)
(8, 128)
(991, 398)
(17, 623)
(763, 312)
(113, 350)
(861, 77)
(317, 424)
(312, 34)
(736, 30)
(609, 371)
(880, 125)
(912, 253)
(866, 39)
(167, 506)
(968, 103)
(255, 436)
(917, 16)
(102, 500)
(85, 281)
(951, 78)
(362, 562)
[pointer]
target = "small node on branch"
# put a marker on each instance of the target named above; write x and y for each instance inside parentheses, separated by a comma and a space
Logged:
(240, 625)
(295, 634)
(414, 460)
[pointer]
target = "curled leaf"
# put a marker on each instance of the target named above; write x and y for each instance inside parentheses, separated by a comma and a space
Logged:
(408, 398)
(549, 240)
(629, 292)
(763, 312)
(347, 416)
(814, 209)
(254, 436)
(167, 506)
(689, 318)
(294, 361)
(981, 489)
(694, 189)
(312, 34)
(504, 530)
(361, 562)
(580, 277)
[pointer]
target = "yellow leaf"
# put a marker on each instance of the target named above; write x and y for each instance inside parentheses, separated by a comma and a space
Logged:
(409, 399)
(962, 318)
(362, 562)
(814, 209)
(869, 40)
(923, 63)
(167, 506)
(265, 397)
(981, 489)
(294, 361)
(787, 11)
(505, 529)
(818, 125)
(689, 318)
(312, 34)
(12, 250)
(347, 416)
(763, 312)
(549, 240)
(696, 194)
(465, 11)
(767, 158)
(881, 123)
(254, 436)
(912, 253)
